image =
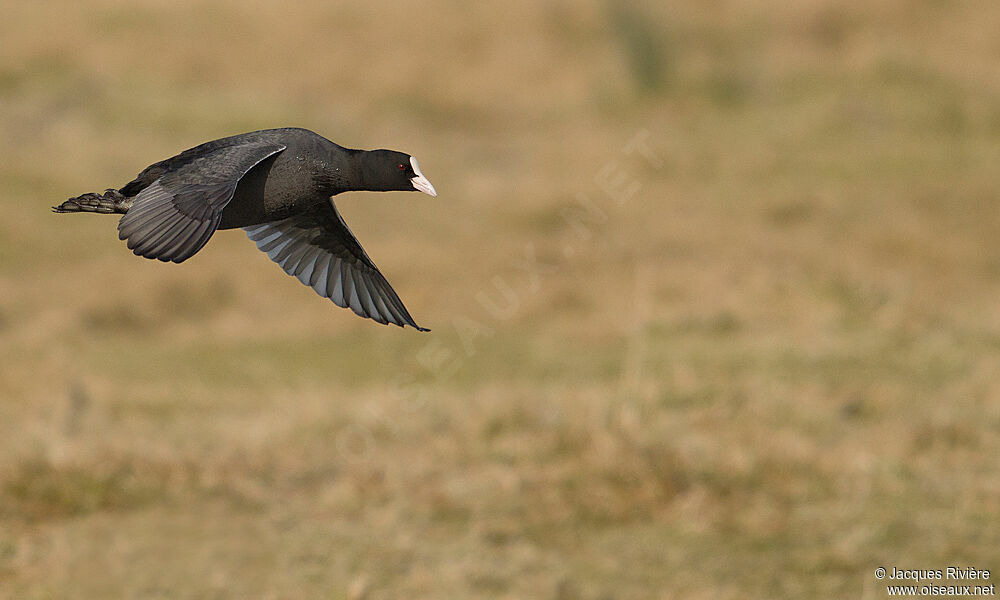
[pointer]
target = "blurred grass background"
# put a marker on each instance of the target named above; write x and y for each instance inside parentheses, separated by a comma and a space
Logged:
(714, 289)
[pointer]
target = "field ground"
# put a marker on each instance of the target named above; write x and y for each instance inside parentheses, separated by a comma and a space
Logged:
(714, 290)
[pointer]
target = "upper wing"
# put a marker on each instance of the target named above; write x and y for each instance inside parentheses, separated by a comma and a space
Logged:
(176, 214)
(317, 247)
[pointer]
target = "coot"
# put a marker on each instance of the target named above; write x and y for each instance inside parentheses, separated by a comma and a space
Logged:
(278, 186)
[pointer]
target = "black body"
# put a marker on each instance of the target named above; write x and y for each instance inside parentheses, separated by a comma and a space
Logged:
(277, 184)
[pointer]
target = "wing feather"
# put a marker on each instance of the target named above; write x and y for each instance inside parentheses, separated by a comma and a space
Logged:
(318, 248)
(175, 215)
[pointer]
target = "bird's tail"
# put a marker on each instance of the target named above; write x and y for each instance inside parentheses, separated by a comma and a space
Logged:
(110, 202)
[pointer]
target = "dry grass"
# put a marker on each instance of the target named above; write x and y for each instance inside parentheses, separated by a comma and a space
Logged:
(758, 360)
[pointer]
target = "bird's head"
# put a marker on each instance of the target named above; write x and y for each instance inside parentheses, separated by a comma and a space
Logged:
(388, 170)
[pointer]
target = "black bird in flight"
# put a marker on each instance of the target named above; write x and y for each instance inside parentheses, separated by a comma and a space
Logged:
(278, 185)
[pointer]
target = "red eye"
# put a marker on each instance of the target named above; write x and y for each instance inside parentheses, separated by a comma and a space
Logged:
(402, 167)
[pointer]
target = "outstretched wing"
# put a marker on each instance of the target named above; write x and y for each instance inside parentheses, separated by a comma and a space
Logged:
(319, 249)
(176, 214)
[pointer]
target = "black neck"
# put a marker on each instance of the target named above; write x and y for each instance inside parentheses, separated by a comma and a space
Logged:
(342, 169)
